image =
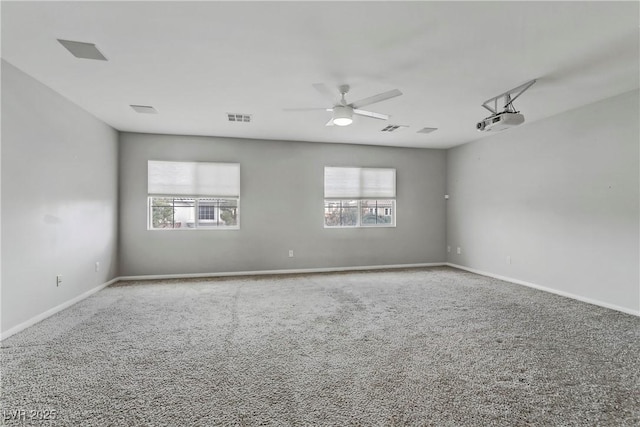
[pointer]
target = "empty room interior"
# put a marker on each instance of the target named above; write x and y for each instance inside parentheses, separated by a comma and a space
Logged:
(320, 213)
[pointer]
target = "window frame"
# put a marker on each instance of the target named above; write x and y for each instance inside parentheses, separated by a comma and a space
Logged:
(211, 184)
(196, 213)
(359, 208)
(361, 185)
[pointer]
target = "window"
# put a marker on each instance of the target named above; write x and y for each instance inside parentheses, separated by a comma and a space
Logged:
(206, 212)
(341, 213)
(217, 213)
(359, 197)
(193, 195)
(377, 212)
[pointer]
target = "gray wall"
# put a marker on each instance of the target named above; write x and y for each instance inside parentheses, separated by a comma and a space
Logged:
(560, 197)
(281, 208)
(59, 199)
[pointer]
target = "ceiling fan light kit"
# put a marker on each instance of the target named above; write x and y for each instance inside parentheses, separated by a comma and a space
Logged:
(342, 116)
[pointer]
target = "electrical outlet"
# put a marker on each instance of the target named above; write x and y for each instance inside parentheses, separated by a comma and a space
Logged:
(97, 266)
(58, 280)
(448, 248)
(290, 253)
(459, 250)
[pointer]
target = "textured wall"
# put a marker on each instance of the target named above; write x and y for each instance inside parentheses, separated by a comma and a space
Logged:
(59, 198)
(559, 196)
(281, 208)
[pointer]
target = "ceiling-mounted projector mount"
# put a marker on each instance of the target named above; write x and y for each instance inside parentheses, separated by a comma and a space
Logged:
(508, 117)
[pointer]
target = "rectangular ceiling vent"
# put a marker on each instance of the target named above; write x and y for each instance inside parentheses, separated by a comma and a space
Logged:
(83, 50)
(392, 128)
(144, 109)
(233, 117)
(427, 130)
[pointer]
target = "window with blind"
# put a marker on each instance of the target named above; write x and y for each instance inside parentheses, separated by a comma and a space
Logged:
(359, 197)
(193, 195)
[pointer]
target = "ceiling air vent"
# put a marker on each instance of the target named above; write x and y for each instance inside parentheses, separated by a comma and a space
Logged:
(144, 109)
(427, 130)
(83, 50)
(233, 117)
(392, 128)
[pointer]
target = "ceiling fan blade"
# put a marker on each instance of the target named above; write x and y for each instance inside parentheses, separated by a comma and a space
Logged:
(376, 98)
(371, 114)
(308, 109)
(330, 122)
(326, 92)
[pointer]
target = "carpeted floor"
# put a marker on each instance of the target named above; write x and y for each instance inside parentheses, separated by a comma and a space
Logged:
(433, 346)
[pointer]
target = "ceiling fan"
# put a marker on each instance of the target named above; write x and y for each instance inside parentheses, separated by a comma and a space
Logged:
(342, 111)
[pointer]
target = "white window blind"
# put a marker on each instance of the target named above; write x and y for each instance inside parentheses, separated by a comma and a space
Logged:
(194, 178)
(359, 182)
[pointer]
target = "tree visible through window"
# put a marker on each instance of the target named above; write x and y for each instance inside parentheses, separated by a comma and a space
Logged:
(341, 213)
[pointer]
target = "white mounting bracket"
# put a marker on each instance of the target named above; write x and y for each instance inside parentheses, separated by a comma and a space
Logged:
(509, 96)
(344, 89)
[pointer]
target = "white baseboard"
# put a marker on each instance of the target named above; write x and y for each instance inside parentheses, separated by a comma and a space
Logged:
(90, 292)
(22, 326)
(546, 289)
(40, 317)
(273, 272)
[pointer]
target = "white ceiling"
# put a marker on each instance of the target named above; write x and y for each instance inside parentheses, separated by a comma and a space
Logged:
(196, 61)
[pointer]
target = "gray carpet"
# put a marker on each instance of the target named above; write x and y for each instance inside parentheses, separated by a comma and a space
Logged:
(410, 347)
